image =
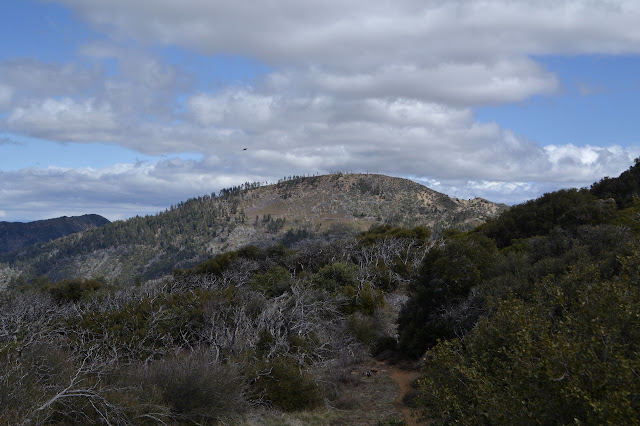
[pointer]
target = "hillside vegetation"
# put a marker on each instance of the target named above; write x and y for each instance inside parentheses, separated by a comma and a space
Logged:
(296, 208)
(17, 235)
(246, 330)
(530, 318)
(534, 317)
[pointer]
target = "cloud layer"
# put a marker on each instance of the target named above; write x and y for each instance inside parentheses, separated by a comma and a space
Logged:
(387, 87)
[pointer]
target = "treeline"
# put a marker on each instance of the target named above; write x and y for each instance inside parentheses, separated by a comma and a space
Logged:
(258, 327)
(533, 318)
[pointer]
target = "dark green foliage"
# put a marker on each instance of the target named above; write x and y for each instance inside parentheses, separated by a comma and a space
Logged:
(335, 276)
(457, 278)
(276, 225)
(447, 275)
(251, 252)
(72, 290)
(567, 209)
(363, 298)
(216, 265)
(291, 237)
(369, 329)
(284, 384)
(622, 189)
(146, 328)
(273, 282)
(544, 331)
(628, 217)
(568, 355)
(380, 232)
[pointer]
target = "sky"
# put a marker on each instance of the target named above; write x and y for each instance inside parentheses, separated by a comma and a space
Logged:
(124, 108)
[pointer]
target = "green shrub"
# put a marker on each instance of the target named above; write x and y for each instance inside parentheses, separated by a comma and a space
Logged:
(364, 298)
(569, 355)
(284, 384)
(334, 276)
(380, 232)
(273, 282)
(447, 275)
(72, 290)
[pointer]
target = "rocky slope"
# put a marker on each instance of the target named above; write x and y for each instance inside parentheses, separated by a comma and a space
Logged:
(293, 209)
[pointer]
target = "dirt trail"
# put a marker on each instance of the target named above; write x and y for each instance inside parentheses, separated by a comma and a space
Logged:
(404, 378)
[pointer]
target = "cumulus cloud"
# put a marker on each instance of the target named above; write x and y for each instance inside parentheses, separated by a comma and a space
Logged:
(397, 136)
(363, 33)
(385, 87)
(117, 192)
(64, 120)
(28, 77)
(470, 83)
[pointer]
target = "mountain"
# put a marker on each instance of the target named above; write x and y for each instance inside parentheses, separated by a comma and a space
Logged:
(293, 209)
(534, 312)
(16, 235)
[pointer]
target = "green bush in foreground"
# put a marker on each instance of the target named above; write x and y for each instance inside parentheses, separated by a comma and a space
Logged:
(568, 357)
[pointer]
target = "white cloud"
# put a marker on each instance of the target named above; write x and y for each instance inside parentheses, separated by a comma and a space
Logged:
(361, 33)
(386, 87)
(233, 108)
(65, 120)
(462, 83)
(115, 192)
(27, 77)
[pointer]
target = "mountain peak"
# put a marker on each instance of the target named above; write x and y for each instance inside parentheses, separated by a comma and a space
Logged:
(295, 208)
(362, 200)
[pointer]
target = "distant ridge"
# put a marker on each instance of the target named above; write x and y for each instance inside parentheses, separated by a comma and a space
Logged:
(16, 235)
(361, 200)
(294, 209)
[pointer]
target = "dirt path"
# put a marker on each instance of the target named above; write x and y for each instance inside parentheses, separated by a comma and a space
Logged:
(404, 378)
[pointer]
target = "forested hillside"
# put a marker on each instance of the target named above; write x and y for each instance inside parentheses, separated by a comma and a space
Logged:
(534, 317)
(16, 235)
(296, 208)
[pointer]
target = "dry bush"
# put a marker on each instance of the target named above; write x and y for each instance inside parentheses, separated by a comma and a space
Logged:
(196, 390)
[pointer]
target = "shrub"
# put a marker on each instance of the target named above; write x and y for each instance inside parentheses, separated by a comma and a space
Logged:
(568, 356)
(72, 290)
(364, 298)
(274, 282)
(334, 276)
(196, 390)
(282, 383)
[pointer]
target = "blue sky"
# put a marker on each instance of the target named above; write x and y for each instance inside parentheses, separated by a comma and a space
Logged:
(123, 108)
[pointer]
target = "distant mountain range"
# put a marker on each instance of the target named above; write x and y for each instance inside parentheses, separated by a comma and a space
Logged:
(17, 235)
(293, 209)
